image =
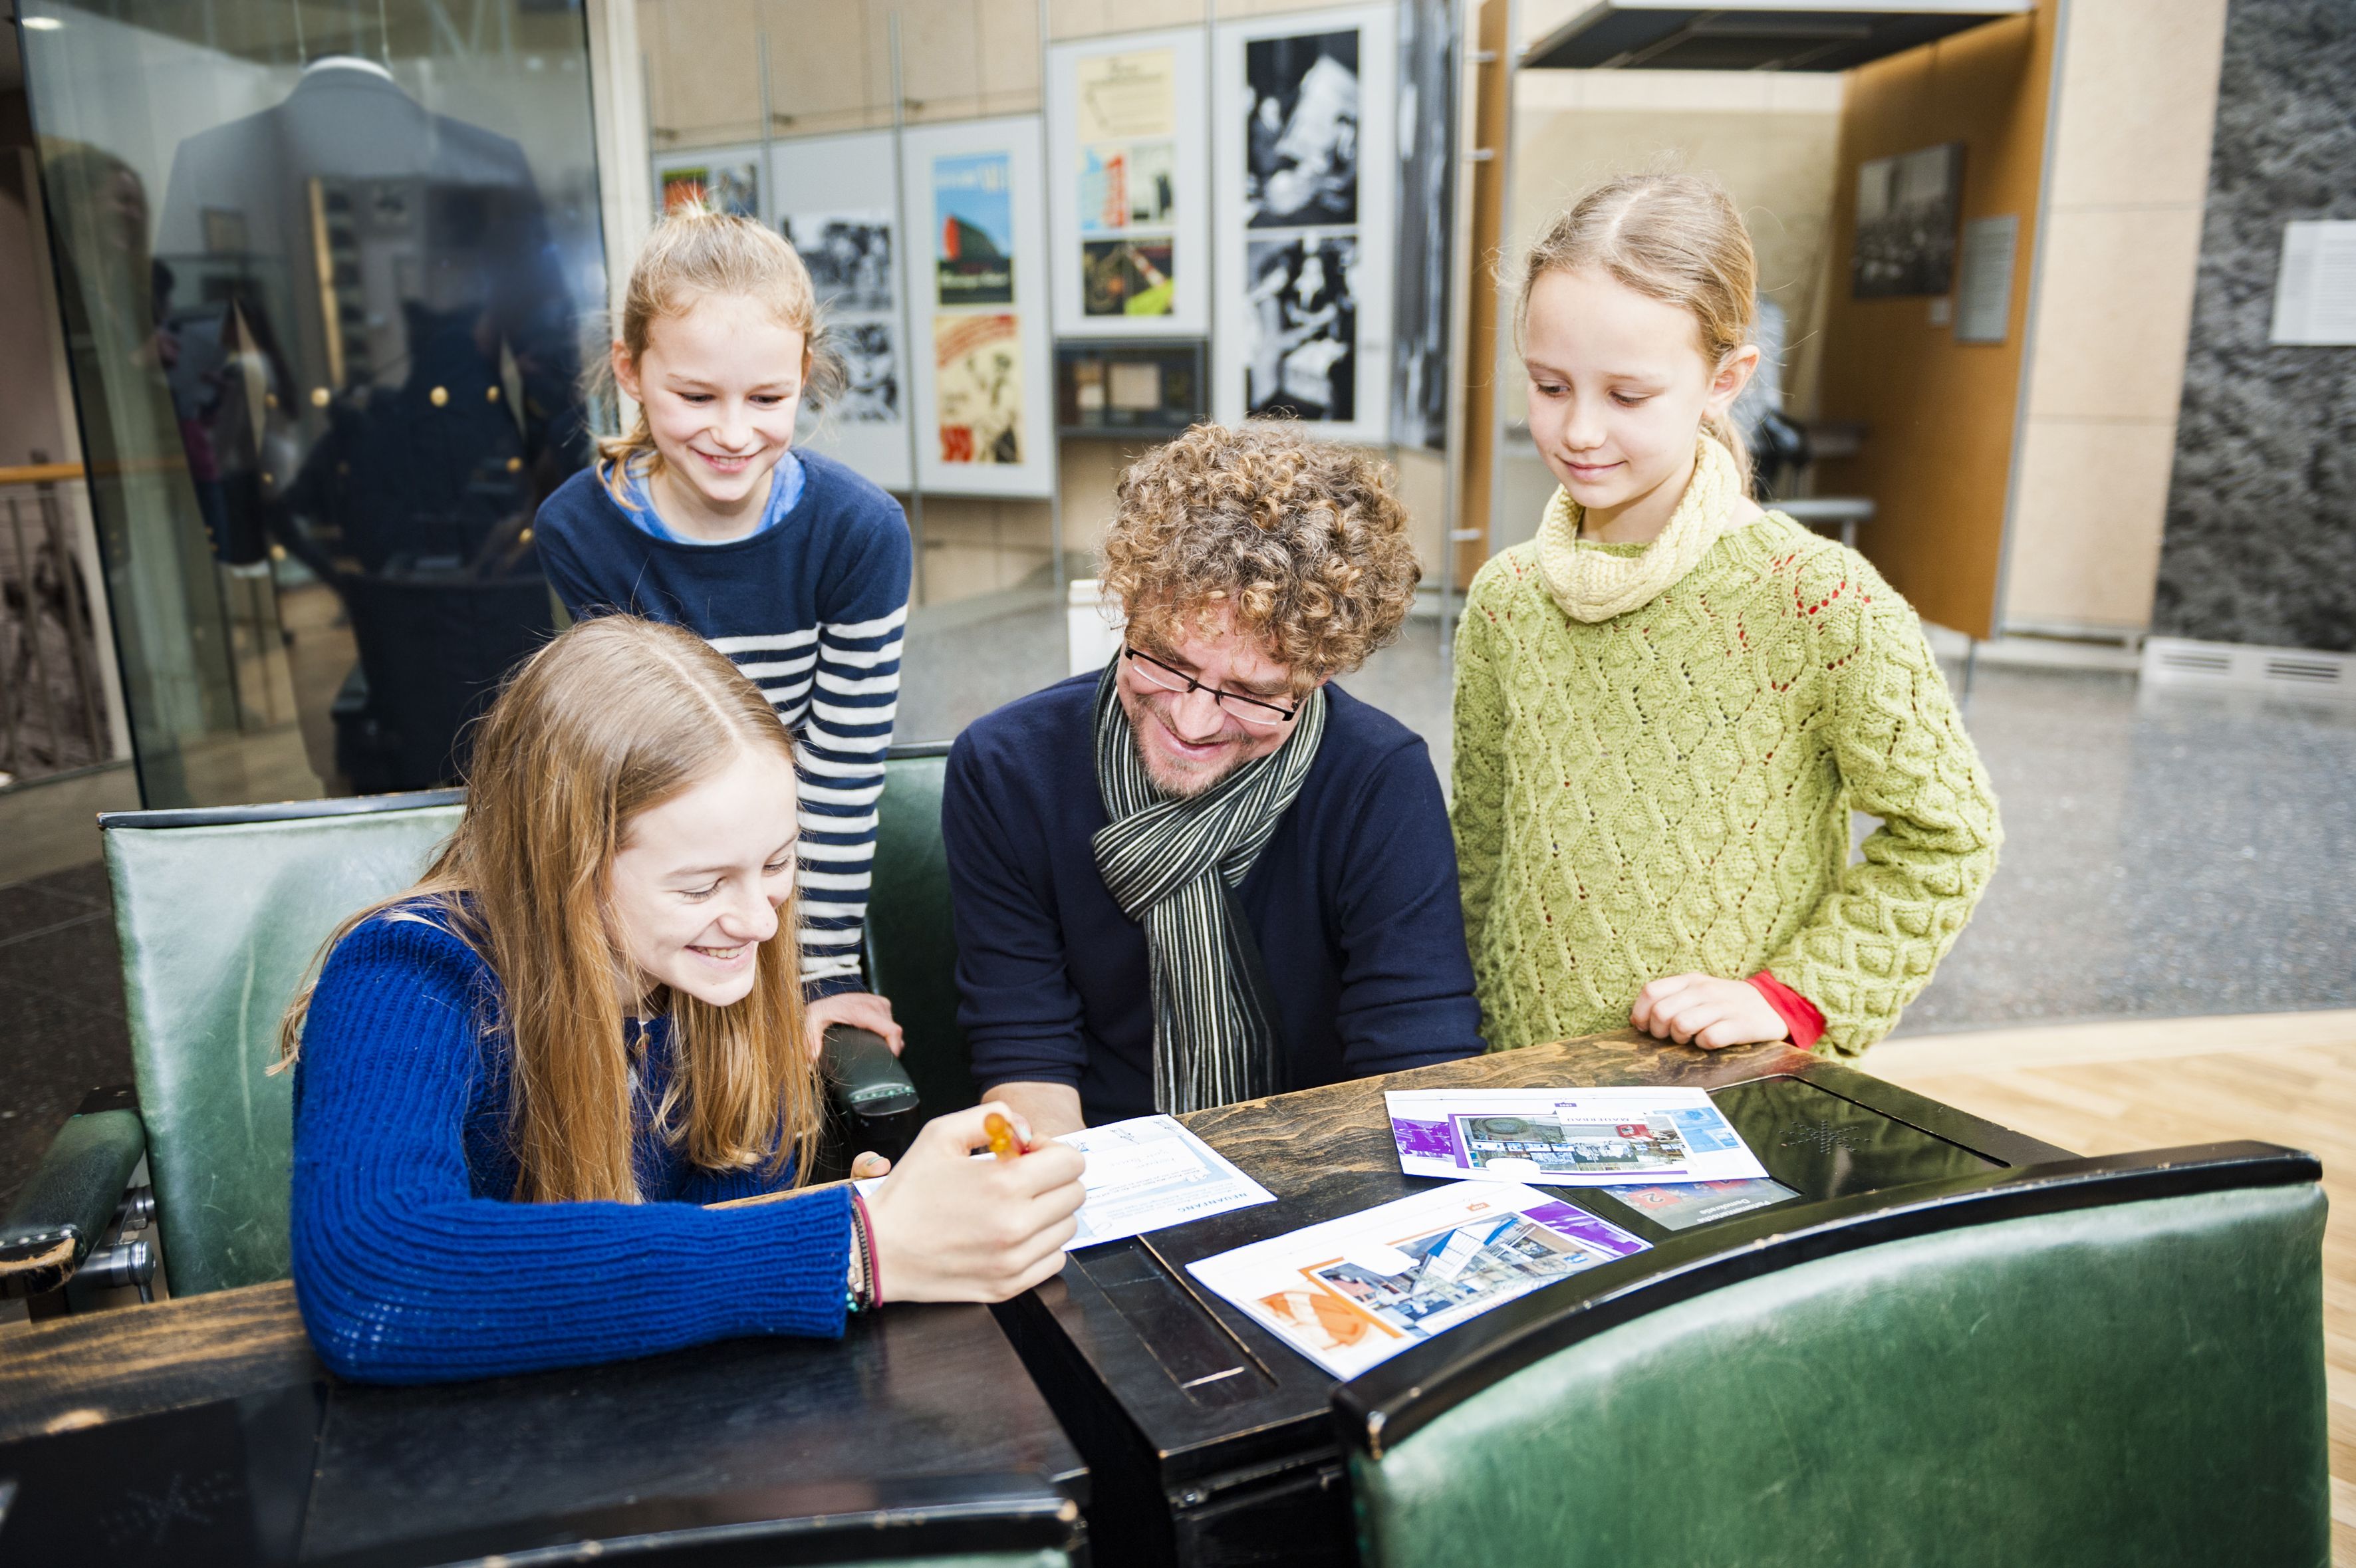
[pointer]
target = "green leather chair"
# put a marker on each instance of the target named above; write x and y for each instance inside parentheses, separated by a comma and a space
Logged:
(911, 943)
(2120, 1368)
(219, 913)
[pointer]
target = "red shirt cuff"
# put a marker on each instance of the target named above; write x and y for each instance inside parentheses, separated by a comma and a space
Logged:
(1799, 1013)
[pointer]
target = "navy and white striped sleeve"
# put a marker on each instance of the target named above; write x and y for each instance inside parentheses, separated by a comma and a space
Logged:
(837, 686)
(852, 703)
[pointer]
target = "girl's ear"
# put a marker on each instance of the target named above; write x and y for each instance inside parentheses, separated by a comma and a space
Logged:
(1734, 373)
(626, 371)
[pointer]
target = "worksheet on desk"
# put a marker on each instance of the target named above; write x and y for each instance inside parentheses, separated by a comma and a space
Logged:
(1567, 1137)
(1149, 1173)
(1354, 1291)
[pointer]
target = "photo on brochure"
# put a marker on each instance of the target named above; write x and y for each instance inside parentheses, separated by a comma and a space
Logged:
(1351, 1292)
(1567, 1137)
(1682, 1206)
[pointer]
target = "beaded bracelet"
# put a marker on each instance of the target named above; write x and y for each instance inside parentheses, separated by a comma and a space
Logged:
(868, 1292)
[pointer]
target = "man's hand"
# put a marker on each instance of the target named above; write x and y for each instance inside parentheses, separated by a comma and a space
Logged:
(1051, 1109)
(1703, 1010)
(860, 1009)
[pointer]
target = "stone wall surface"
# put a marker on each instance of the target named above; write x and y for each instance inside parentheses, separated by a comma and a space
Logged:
(2261, 533)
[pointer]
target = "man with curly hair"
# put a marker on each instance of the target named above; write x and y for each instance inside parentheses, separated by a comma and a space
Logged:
(1205, 874)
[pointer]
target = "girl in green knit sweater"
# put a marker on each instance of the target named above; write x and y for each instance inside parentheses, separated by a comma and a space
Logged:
(1669, 703)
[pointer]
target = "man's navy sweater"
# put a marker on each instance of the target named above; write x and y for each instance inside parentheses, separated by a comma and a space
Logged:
(814, 610)
(1353, 902)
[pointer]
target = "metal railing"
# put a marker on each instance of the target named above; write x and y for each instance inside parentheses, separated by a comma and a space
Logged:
(52, 711)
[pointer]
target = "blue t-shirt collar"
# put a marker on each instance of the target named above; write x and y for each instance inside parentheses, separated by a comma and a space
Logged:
(785, 484)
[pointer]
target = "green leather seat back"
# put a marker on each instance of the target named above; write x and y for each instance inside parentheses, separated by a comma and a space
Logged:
(2136, 1384)
(911, 946)
(219, 922)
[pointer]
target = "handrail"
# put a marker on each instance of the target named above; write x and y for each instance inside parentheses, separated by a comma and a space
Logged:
(39, 473)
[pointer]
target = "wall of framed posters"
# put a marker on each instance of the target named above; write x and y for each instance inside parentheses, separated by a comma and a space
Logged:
(833, 201)
(981, 370)
(1130, 214)
(1304, 147)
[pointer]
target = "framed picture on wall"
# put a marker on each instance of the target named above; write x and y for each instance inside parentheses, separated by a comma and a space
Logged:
(1128, 156)
(833, 197)
(980, 376)
(1908, 209)
(1303, 138)
(727, 179)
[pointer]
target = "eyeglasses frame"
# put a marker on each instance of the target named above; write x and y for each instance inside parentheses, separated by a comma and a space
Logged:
(1219, 697)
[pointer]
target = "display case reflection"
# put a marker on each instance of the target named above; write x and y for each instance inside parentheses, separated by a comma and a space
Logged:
(373, 365)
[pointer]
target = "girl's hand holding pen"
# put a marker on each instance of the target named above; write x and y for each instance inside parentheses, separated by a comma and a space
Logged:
(949, 1228)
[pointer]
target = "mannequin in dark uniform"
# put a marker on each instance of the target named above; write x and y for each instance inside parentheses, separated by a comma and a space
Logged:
(419, 401)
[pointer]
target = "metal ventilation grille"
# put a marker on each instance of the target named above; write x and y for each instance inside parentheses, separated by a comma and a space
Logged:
(1644, 34)
(2169, 660)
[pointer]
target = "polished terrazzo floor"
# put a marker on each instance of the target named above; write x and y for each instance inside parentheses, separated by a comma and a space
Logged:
(2166, 857)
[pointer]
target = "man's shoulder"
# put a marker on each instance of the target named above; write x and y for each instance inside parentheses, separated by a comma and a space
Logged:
(1032, 727)
(1359, 735)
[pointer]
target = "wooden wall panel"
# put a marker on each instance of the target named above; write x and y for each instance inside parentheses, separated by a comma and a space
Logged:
(1941, 414)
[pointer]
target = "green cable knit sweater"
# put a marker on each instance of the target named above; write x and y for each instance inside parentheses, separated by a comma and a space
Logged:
(1669, 791)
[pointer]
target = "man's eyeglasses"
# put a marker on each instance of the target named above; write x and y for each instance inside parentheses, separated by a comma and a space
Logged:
(1257, 712)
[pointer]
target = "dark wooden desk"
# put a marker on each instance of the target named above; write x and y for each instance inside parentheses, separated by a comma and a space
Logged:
(1209, 1441)
(919, 1429)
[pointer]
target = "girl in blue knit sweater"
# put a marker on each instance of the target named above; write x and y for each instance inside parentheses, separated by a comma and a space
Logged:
(520, 1083)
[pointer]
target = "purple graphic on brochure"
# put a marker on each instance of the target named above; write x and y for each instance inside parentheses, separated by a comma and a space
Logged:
(1575, 1222)
(1433, 1140)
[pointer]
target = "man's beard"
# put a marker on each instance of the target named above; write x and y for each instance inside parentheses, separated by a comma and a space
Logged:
(1185, 784)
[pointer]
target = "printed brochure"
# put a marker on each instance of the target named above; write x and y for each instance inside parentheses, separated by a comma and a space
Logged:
(1351, 1292)
(1567, 1137)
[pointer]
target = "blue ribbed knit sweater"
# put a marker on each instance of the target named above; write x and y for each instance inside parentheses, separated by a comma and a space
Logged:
(413, 1264)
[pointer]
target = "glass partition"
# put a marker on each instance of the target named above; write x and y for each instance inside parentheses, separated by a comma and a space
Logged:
(323, 270)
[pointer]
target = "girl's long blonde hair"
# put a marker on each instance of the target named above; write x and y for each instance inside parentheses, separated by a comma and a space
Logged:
(613, 717)
(692, 253)
(1676, 238)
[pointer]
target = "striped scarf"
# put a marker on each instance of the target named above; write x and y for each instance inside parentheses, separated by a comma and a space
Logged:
(1171, 865)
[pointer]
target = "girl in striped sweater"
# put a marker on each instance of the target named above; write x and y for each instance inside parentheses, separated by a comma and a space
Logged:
(797, 568)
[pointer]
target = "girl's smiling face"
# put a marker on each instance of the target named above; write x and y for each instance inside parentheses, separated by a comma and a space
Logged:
(699, 880)
(1619, 388)
(721, 384)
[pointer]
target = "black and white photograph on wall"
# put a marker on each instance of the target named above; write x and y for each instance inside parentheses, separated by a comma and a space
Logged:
(848, 255)
(1302, 131)
(1907, 210)
(871, 392)
(1302, 357)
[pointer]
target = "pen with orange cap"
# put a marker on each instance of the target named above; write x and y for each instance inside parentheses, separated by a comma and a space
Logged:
(1004, 1142)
